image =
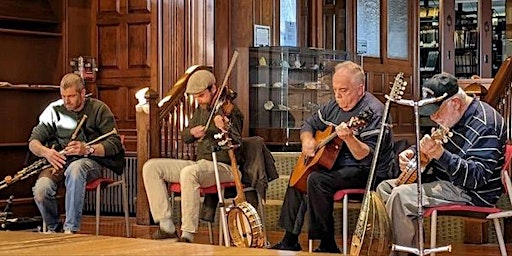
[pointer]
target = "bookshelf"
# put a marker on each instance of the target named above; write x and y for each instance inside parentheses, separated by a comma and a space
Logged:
(498, 31)
(429, 42)
(466, 43)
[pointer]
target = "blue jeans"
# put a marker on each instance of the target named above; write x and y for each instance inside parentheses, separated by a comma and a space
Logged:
(77, 174)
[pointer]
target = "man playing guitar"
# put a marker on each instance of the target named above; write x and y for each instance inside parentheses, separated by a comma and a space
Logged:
(463, 170)
(351, 165)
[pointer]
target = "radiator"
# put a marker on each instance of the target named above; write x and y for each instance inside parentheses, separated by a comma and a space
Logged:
(111, 199)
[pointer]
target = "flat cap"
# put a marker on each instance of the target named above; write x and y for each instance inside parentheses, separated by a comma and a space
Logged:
(199, 81)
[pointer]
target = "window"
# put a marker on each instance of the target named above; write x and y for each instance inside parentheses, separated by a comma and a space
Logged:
(398, 28)
(368, 27)
(288, 23)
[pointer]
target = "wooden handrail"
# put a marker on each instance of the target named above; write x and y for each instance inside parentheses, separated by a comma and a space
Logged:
(500, 83)
(177, 92)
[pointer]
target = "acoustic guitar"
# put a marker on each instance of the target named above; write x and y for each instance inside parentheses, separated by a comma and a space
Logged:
(326, 151)
(410, 174)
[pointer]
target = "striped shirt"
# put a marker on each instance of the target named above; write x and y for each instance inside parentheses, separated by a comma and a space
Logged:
(474, 155)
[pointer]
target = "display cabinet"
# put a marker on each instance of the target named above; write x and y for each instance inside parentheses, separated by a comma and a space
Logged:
(287, 85)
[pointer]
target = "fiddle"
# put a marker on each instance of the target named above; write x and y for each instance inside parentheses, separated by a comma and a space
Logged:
(224, 96)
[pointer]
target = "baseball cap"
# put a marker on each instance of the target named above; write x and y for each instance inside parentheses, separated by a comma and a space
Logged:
(435, 87)
(199, 81)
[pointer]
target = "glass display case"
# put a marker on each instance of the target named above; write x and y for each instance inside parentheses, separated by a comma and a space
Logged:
(287, 85)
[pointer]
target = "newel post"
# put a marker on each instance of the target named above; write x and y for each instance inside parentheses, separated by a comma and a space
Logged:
(148, 146)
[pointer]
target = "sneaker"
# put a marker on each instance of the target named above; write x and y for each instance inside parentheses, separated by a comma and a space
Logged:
(58, 229)
(328, 250)
(184, 240)
(69, 232)
(282, 246)
(160, 234)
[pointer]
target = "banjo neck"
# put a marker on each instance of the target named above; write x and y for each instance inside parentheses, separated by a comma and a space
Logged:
(240, 196)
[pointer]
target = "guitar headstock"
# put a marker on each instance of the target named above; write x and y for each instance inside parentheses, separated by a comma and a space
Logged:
(441, 133)
(360, 120)
(398, 87)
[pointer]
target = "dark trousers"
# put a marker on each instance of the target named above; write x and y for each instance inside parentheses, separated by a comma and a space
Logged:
(321, 188)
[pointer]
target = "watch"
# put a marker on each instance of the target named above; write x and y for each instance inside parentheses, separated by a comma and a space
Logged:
(89, 150)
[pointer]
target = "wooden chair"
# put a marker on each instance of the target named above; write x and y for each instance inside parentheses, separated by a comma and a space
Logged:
(342, 195)
(476, 212)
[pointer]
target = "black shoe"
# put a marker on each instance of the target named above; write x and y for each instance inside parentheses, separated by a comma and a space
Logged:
(160, 234)
(329, 250)
(184, 240)
(282, 246)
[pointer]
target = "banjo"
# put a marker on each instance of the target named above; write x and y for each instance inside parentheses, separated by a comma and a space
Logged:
(244, 224)
(373, 234)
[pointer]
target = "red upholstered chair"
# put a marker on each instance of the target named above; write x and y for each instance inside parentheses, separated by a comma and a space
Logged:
(476, 212)
(342, 195)
(175, 188)
(106, 182)
(103, 183)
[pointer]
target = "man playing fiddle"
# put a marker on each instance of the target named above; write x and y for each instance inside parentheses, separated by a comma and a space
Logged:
(192, 174)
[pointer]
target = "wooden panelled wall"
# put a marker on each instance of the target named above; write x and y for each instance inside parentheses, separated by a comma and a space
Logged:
(126, 36)
(37, 38)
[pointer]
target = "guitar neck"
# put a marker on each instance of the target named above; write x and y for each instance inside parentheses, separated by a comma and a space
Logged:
(326, 140)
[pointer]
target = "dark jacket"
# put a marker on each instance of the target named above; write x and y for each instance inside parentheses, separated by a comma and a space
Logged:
(257, 169)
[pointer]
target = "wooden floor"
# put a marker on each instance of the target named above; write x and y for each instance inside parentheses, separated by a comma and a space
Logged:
(33, 243)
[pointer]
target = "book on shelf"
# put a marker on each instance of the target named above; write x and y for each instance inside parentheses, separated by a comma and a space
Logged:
(431, 63)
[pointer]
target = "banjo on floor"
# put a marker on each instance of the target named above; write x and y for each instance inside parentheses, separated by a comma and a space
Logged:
(373, 234)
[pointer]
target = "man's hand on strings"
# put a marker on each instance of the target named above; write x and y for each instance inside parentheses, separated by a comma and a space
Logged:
(404, 157)
(221, 122)
(344, 132)
(431, 148)
(308, 146)
(198, 131)
(56, 159)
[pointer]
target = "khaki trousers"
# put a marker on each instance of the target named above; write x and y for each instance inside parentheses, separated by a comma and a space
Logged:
(191, 175)
(402, 205)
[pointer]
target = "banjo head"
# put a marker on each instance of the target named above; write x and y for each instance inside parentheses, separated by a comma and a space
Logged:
(245, 226)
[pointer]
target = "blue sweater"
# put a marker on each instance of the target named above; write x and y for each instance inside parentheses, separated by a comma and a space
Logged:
(474, 155)
(331, 114)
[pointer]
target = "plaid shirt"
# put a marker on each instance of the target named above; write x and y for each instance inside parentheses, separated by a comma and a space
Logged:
(474, 155)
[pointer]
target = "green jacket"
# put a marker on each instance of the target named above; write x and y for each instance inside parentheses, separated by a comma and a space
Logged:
(204, 146)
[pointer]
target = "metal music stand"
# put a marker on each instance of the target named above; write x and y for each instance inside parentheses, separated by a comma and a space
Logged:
(421, 250)
(221, 206)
